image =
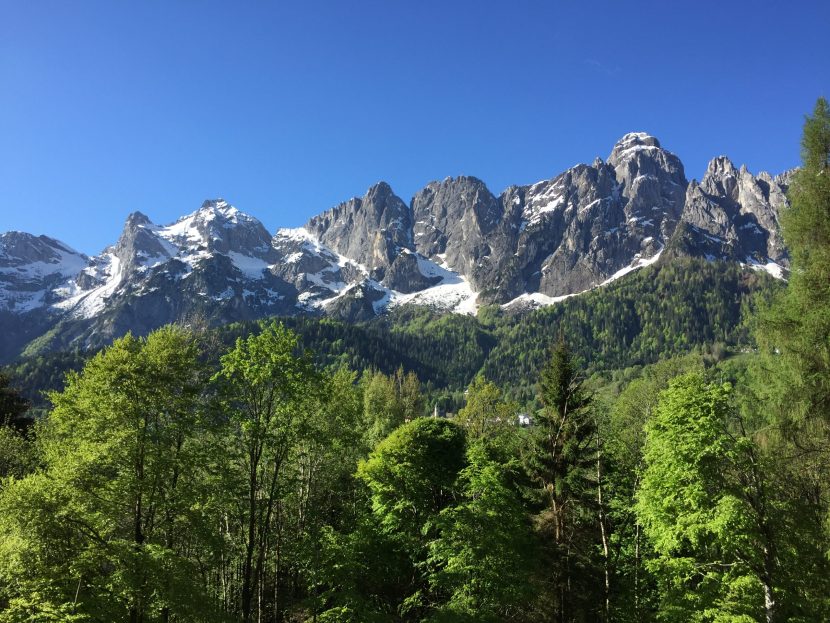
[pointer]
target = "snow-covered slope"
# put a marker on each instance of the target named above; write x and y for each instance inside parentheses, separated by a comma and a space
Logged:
(33, 269)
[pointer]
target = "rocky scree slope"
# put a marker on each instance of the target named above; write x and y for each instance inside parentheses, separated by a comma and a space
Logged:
(456, 246)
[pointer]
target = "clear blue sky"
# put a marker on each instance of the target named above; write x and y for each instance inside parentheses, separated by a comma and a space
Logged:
(287, 108)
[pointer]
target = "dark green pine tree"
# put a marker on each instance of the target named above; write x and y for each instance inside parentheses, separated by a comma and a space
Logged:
(13, 406)
(563, 463)
(794, 383)
(798, 325)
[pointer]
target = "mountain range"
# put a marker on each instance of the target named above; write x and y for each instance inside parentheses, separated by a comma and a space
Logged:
(455, 245)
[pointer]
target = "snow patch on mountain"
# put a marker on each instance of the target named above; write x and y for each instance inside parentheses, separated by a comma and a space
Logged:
(251, 267)
(770, 267)
(32, 268)
(88, 303)
(456, 296)
(537, 299)
(311, 245)
(543, 198)
(639, 262)
(453, 293)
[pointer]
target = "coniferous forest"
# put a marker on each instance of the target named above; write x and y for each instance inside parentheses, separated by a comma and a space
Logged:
(658, 450)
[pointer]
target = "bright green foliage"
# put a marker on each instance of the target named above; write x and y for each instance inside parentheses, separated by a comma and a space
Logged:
(623, 433)
(411, 475)
(484, 558)
(389, 401)
(684, 505)
(446, 536)
(710, 506)
(18, 455)
(367, 572)
(486, 413)
(104, 530)
(320, 482)
(267, 390)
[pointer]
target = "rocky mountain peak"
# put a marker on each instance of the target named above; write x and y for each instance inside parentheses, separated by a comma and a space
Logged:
(139, 244)
(452, 217)
(30, 267)
(378, 191)
(721, 166)
(219, 227)
(137, 219)
(217, 214)
(733, 214)
(785, 179)
(217, 205)
(721, 177)
(639, 157)
(630, 144)
(456, 245)
(370, 230)
(19, 248)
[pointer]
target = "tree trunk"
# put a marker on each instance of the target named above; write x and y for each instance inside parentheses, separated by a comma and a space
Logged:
(138, 534)
(637, 571)
(769, 602)
(766, 580)
(247, 569)
(605, 548)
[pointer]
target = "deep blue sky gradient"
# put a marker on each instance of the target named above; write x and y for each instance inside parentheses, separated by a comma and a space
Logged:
(286, 109)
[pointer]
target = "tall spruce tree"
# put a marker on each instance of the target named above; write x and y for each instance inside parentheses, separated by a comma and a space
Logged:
(13, 406)
(797, 326)
(791, 382)
(563, 462)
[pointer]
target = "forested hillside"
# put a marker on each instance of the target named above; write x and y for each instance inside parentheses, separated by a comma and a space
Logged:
(664, 310)
(658, 450)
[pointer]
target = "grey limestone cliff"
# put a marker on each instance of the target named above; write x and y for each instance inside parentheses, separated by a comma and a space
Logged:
(455, 245)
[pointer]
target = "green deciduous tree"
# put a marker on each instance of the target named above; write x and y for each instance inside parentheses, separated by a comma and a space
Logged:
(18, 454)
(411, 476)
(383, 565)
(623, 432)
(105, 531)
(322, 477)
(710, 505)
(484, 557)
(267, 389)
(389, 401)
(487, 414)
